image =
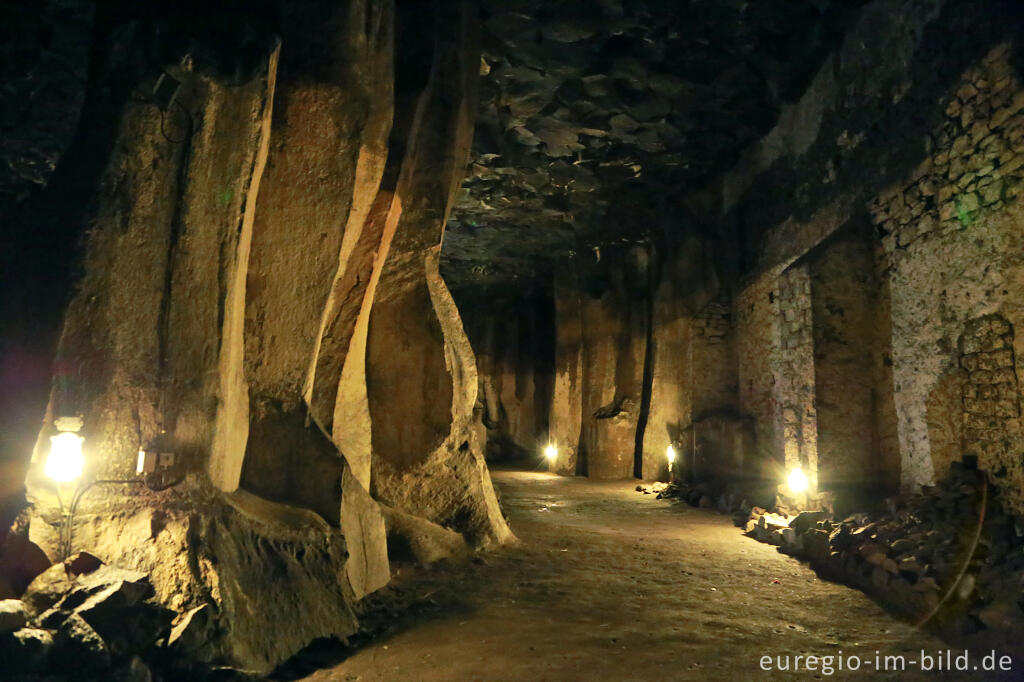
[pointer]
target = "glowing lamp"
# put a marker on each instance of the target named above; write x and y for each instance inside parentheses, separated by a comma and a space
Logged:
(797, 480)
(65, 461)
(670, 453)
(551, 452)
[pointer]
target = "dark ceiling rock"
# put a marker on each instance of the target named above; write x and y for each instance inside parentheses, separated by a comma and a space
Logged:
(585, 105)
(44, 53)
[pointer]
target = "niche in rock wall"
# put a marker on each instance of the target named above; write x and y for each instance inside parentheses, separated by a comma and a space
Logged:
(408, 383)
(991, 397)
(289, 460)
(850, 314)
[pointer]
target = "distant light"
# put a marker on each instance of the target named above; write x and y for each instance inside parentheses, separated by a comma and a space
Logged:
(670, 452)
(551, 452)
(65, 461)
(797, 480)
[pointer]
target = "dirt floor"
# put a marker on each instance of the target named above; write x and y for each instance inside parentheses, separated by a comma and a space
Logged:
(610, 584)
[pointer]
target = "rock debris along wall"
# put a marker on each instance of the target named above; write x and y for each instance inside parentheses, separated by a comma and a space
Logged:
(251, 267)
(941, 194)
(955, 260)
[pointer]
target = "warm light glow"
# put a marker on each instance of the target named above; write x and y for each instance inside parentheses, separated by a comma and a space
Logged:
(670, 452)
(65, 462)
(551, 452)
(797, 480)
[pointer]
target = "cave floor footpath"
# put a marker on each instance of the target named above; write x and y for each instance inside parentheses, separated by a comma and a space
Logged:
(610, 584)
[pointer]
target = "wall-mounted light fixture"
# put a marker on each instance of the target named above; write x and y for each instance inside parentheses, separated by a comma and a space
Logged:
(797, 481)
(551, 453)
(65, 461)
(156, 468)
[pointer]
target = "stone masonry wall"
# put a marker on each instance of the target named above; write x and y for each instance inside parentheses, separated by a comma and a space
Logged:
(991, 394)
(954, 256)
(795, 372)
(857, 444)
(757, 344)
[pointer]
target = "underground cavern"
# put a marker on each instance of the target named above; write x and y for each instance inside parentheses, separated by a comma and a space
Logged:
(511, 339)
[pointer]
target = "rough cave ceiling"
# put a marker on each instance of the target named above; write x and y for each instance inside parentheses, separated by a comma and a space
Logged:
(596, 116)
(44, 51)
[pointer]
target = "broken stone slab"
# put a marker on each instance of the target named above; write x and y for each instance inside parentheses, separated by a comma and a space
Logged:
(108, 586)
(1003, 614)
(135, 670)
(870, 549)
(815, 544)
(25, 651)
(875, 558)
(48, 588)
(125, 629)
(367, 566)
(879, 578)
(193, 632)
(427, 542)
(806, 520)
(791, 541)
(110, 601)
(82, 563)
(21, 560)
(902, 546)
(13, 615)
(77, 646)
(910, 564)
(773, 522)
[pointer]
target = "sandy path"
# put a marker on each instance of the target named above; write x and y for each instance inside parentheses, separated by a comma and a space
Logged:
(611, 584)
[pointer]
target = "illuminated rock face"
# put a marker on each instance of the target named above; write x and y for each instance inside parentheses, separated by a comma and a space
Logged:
(842, 299)
(800, 251)
(261, 291)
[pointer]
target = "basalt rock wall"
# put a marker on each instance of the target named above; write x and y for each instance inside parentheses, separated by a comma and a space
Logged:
(258, 250)
(644, 361)
(513, 342)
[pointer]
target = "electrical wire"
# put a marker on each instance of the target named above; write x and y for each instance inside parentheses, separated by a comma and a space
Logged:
(967, 561)
(66, 543)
